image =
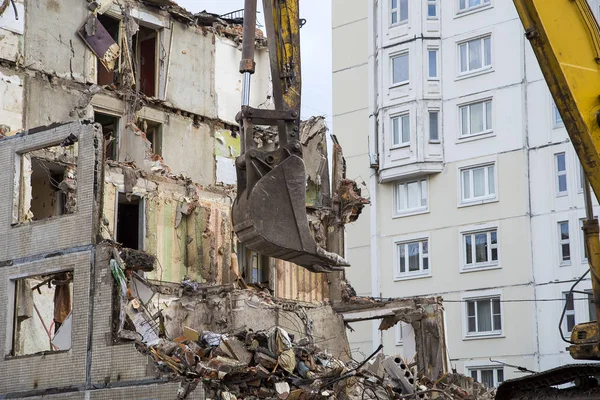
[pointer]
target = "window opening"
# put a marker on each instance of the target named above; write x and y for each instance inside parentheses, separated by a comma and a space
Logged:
(413, 258)
(110, 131)
(153, 131)
(564, 243)
(398, 11)
(400, 130)
(411, 196)
(488, 377)
(145, 42)
(432, 9)
(478, 183)
(42, 313)
(434, 126)
(113, 27)
(255, 267)
(130, 221)
(47, 185)
(475, 55)
(569, 310)
(484, 316)
(476, 118)
(561, 173)
(432, 55)
(481, 248)
(465, 5)
(400, 69)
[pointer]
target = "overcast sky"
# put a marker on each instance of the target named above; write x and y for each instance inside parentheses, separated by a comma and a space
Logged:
(315, 48)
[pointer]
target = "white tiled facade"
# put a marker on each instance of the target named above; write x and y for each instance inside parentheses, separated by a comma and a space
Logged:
(443, 112)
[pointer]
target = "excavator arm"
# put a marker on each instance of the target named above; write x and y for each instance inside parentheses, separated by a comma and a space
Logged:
(565, 38)
(269, 212)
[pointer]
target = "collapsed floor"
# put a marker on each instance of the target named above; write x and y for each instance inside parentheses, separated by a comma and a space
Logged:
(244, 343)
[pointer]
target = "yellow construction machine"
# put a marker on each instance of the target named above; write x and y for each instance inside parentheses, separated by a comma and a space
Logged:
(565, 37)
(269, 212)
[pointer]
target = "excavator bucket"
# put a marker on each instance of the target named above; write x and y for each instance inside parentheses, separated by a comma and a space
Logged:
(269, 216)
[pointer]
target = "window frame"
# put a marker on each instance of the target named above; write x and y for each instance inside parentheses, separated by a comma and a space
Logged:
(438, 127)
(590, 303)
(557, 121)
(491, 295)
(401, 142)
(569, 312)
(437, 10)
(474, 266)
(483, 4)
(421, 272)
(398, 11)
(481, 199)
(394, 56)
(483, 68)
(435, 50)
(478, 368)
(487, 129)
(415, 210)
(561, 242)
(558, 174)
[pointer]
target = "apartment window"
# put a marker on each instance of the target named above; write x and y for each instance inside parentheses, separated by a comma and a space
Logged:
(478, 183)
(591, 306)
(110, 131)
(399, 11)
(47, 180)
(569, 305)
(434, 126)
(411, 196)
(146, 59)
(489, 377)
(154, 132)
(130, 221)
(465, 5)
(556, 118)
(255, 267)
(583, 247)
(107, 73)
(561, 173)
(475, 55)
(432, 55)
(400, 69)
(581, 180)
(413, 258)
(476, 118)
(432, 10)
(401, 130)
(484, 316)
(564, 244)
(42, 321)
(480, 249)
(399, 335)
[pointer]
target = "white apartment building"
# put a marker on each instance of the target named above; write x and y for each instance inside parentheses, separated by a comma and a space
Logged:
(476, 192)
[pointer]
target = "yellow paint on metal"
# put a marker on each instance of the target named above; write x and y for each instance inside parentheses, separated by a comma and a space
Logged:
(565, 37)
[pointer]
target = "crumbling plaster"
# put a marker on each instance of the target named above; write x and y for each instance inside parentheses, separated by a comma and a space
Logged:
(11, 33)
(11, 99)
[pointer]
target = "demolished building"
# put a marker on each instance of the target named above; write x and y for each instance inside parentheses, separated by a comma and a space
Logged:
(118, 266)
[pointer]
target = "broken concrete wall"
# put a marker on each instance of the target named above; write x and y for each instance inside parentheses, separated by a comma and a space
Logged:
(232, 311)
(188, 149)
(186, 228)
(51, 41)
(191, 80)
(55, 233)
(57, 369)
(11, 100)
(11, 32)
(55, 101)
